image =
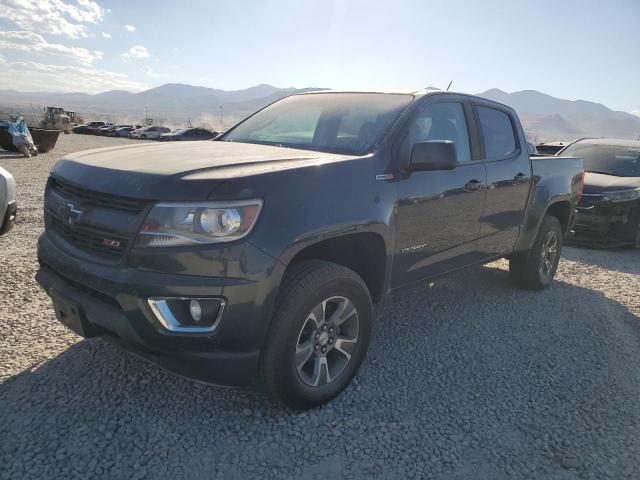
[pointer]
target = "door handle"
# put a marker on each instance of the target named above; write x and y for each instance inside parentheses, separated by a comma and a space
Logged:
(520, 178)
(473, 185)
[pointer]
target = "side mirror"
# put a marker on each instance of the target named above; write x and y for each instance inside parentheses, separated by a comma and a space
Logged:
(433, 155)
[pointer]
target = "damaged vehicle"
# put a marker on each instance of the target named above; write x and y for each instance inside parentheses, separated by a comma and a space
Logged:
(609, 211)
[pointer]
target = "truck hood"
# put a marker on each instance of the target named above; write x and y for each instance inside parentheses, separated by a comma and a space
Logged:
(178, 171)
(598, 182)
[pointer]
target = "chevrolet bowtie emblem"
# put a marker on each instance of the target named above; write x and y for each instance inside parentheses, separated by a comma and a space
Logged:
(69, 214)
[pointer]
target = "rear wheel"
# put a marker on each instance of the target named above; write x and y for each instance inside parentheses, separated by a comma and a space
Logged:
(534, 269)
(318, 336)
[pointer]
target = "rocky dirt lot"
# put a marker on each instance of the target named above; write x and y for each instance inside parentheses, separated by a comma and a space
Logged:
(466, 379)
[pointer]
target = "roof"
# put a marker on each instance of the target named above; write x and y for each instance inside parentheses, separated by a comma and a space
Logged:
(401, 91)
(611, 141)
(409, 91)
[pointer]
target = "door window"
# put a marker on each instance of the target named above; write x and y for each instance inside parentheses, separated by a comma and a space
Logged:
(440, 121)
(497, 131)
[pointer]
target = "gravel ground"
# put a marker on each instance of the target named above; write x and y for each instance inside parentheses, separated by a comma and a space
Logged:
(470, 378)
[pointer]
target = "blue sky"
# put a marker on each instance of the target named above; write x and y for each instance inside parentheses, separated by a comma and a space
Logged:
(569, 49)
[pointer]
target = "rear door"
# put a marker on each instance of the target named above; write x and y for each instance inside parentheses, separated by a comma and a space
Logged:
(508, 166)
(438, 212)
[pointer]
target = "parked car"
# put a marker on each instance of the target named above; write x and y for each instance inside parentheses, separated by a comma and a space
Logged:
(609, 212)
(123, 131)
(107, 129)
(98, 130)
(8, 205)
(149, 133)
(88, 127)
(551, 148)
(259, 255)
(188, 134)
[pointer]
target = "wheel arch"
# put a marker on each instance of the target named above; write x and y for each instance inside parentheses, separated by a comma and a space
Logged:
(363, 252)
(543, 204)
(562, 211)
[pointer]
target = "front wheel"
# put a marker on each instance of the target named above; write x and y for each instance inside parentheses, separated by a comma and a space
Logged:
(318, 336)
(534, 269)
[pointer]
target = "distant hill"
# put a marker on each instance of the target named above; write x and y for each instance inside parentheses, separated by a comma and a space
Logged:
(547, 118)
(172, 103)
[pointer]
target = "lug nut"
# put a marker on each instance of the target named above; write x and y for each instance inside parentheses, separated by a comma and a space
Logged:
(324, 349)
(331, 341)
(324, 327)
(316, 347)
(331, 330)
(317, 336)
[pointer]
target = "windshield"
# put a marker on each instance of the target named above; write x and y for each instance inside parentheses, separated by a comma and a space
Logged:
(608, 159)
(349, 123)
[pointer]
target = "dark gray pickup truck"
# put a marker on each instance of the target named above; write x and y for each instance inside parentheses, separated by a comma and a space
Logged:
(255, 258)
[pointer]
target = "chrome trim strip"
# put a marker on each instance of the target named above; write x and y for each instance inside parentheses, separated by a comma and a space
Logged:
(385, 176)
(166, 318)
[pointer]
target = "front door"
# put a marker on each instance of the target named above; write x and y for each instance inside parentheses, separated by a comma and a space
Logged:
(438, 212)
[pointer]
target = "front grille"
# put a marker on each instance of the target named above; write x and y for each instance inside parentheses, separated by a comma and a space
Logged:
(100, 241)
(100, 224)
(90, 199)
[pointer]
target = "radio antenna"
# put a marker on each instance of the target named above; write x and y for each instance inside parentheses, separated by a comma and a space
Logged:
(449, 86)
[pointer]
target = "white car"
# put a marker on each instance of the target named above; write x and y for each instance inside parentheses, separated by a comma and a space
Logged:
(149, 132)
(8, 206)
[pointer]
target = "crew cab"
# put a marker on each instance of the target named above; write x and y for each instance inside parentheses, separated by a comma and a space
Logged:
(256, 258)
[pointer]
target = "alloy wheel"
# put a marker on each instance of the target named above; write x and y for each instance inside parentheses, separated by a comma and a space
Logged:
(326, 341)
(548, 255)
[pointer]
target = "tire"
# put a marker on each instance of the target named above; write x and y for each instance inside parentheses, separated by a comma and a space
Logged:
(534, 269)
(294, 334)
(143, 137)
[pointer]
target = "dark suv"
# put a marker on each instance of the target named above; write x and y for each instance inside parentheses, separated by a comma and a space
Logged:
(257, 257)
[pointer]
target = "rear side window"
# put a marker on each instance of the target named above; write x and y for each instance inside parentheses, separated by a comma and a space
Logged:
(498, 134)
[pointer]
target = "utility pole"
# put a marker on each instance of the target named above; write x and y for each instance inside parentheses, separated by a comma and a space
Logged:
(146, 117)
(221, 128)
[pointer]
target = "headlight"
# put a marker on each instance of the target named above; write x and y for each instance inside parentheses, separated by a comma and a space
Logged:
(621, 195)
(178, 224)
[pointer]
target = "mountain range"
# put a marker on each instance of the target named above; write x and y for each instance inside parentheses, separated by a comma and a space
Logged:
(544, 117)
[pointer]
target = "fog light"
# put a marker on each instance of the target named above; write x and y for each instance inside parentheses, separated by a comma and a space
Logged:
(188, 315)
(195, 309)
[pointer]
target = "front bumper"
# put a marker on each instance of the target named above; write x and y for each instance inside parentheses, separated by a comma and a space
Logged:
(607, 225)
(112, 302)
(9, 218)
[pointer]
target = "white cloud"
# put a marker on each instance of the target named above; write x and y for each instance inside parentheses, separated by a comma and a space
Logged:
(106, 35)
(636, 113)
(149, 71)
(56, 17)
(137, 51)
(58, 78)
(130, 28)
(32, 42)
